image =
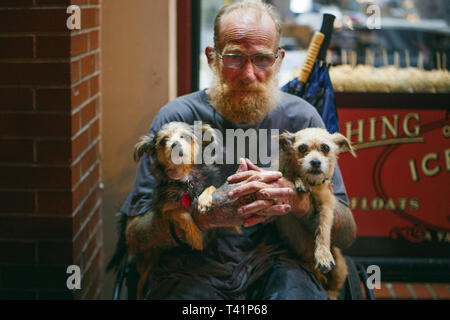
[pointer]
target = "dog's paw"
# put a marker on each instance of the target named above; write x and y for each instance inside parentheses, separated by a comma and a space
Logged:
(205, 200)
(300, 186)
(324, 259)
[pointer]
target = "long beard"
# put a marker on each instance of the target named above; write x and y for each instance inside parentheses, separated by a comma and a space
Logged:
(244, 103)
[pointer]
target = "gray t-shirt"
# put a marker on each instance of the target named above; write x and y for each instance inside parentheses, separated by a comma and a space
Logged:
(232, 261)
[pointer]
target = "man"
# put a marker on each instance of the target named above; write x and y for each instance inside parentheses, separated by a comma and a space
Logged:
(245, 60)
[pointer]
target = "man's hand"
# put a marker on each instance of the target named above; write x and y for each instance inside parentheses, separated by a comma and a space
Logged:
(275, 195)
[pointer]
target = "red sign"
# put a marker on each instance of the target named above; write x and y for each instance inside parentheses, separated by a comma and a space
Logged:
(399, 185)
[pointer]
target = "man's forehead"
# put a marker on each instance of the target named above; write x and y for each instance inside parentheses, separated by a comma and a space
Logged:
(248, 28)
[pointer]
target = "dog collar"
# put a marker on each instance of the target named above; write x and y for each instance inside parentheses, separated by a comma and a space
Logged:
(186, 200)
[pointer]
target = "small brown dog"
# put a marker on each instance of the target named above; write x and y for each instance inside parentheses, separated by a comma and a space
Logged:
(308, 158)
(174, 149)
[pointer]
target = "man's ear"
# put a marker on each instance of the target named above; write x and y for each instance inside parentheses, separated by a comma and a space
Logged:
(210, 54)
(146, 144)
(343, 143)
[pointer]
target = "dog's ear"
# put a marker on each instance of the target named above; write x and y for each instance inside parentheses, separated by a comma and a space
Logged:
(146, 144)
(343, 143)
(285, 140)
(211, 135)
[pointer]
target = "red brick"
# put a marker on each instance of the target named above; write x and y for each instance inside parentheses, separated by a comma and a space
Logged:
(401, 290)
(91, 247)
(27, 20)
(95, 220)
(422, 291)
(34, 277)
(52, 73)
(383, 292)
(88, 112)
(94, 39)
(16, 47)
(13, 3)
(75, 71)
(90, 18)
(80, 143)
(44, 125)
(16, 99)
(94, 1)
(89, 159)
(79, 2)
(55, 202)
(95, 129)
(16, 150)
(55, 253)
(17, 253)
(75, 173)
(54, 151)
(95, 176)
(79, 43)
(88, 65)
(80, 193)
(53, 46)
(76, 119)
(35, 227)
(53, 100)
(441, 289)
(34, 177)
(80, 93)
(17, 202)
(53, 2)
(89, 205)
(95, 85)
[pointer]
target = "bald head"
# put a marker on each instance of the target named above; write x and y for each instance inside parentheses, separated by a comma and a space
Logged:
(242, 17)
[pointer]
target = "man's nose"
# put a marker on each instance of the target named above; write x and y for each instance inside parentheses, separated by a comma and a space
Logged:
(248, 72)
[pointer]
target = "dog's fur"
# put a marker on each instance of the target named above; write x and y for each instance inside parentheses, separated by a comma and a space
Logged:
(308, 158)
(175, 140)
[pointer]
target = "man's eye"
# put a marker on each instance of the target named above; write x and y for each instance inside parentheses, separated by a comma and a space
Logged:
(303, 148)
(262, 59)
(325, 148)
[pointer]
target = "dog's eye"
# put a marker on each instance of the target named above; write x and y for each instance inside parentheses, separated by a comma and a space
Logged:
(303, 148)
(325, 148)
(163, 142)
(187, 138)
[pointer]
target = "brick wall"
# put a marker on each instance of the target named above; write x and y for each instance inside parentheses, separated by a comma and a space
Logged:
(50, 149)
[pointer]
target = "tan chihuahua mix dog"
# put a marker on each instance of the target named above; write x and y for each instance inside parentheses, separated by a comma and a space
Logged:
(308, 158)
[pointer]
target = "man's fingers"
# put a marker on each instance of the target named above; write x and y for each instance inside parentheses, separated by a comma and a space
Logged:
(242, 166)
(251, 166)
(276, 210)
(255, 206)
(253, 220)
(251, 175)
(245, 189)
(274, 193)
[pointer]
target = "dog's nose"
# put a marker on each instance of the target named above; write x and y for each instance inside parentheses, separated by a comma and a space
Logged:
(177, 144)
(315, 163)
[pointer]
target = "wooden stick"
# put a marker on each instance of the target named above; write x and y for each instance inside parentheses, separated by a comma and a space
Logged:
(444, 61)
(408, 62)
(420, 62)
(385, 58)
(396, 59)
(344, 59)
(438, 60)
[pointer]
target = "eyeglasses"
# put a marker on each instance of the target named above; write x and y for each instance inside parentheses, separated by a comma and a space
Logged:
(259, 60)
